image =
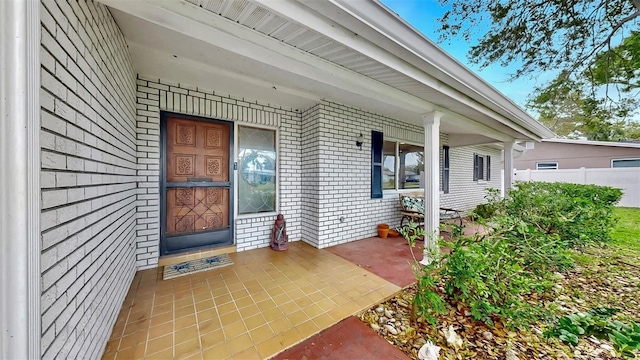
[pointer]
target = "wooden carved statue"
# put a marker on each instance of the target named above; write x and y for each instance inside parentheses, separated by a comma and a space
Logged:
(279, 237)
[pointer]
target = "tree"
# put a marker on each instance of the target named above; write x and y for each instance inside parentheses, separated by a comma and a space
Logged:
(568, 111)
(591, 44)
(543, 35)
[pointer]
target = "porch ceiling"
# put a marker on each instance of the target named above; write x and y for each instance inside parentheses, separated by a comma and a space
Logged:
(292, 54)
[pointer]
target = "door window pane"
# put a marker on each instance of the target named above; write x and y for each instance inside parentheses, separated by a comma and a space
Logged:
(547, 166)
(411, 166)
(256, 170)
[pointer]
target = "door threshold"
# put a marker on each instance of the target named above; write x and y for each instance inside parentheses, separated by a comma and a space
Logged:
(195, 255)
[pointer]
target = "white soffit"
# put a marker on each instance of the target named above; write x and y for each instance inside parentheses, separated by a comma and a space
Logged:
(294, 32)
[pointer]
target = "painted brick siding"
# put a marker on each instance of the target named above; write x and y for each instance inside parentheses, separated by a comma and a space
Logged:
(464, 193)
(155, 95)
(88, 177)
(337, 204)
(346, 211)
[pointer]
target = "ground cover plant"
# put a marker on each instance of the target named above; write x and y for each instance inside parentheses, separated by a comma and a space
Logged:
(506, 292)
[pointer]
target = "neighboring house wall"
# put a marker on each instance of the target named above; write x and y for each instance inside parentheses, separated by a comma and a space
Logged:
(251, 232)
(88, 177)
(573, 156)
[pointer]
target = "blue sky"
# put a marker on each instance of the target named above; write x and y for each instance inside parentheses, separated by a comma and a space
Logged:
(423, 15)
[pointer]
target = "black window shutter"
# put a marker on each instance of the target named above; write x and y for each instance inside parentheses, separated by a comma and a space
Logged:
(377, 143)
(475, 167)
(445, 169)
(488, 167)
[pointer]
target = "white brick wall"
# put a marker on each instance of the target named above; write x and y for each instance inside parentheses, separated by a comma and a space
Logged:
(88, 176)
(336, 200)
(155, 95)
(464, 193)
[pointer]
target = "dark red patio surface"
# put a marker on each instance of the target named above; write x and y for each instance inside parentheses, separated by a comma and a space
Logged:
(391, 258)
(348, 339)
(388, 258)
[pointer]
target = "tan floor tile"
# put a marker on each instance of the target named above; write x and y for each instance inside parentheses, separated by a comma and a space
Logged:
(280, 325)
(184, 311)
(245, 301)
(133, 327)
(261, 296)
(159, 344)
(289, 308)
(254, 321)
(269, 347)
(312, 310)
(222, 299)
(298, 317)
(239, 344)
(323, 321)
(272, 314)
(233, 330)
(307, 329)
(161, 319)
(226, 308)
(249, 354)
(185, 322)
(186, 349)
(161, 355)
(209, 326)
(235, 287)
(212, 339)
(261, 334)
(161, 330)
(304, 301)
(248, 311)
(185, 334)
(265, 299)
(219, 351)
(112, 346)
(136, 352)
(183, 302)
(230, 318)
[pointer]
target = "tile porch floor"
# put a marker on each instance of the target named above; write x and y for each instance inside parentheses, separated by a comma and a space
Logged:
(262, 304)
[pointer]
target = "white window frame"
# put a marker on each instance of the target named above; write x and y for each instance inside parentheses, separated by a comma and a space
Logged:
(547, 168)
(236, 171)
(396, 165)
(612, 160)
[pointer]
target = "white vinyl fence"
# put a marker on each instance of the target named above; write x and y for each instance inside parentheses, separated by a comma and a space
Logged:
(626, 179)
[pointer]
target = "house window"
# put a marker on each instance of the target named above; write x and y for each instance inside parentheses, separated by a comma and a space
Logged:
(445, 169)
(624, 163)
(549, 165)
(481, 167)
(257, 161)
(403, 165)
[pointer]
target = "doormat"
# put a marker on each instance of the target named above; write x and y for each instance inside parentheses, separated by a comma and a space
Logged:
(195, 266)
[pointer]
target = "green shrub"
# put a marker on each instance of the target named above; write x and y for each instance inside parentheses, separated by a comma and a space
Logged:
(579, 214)
(497, 274)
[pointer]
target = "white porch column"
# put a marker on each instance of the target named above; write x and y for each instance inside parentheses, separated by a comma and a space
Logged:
(431, 183)
(508, 166)
(19, 179)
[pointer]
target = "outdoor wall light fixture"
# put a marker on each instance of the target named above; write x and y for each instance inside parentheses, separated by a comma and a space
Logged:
(360, 141)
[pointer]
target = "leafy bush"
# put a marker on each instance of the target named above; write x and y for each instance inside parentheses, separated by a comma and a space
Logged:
(495, 275)
(579, 214)
(625, 338)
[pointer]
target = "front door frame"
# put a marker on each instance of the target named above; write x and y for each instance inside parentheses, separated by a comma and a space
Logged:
(163, 176)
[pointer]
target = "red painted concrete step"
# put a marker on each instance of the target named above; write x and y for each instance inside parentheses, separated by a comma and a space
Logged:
(348, 339)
